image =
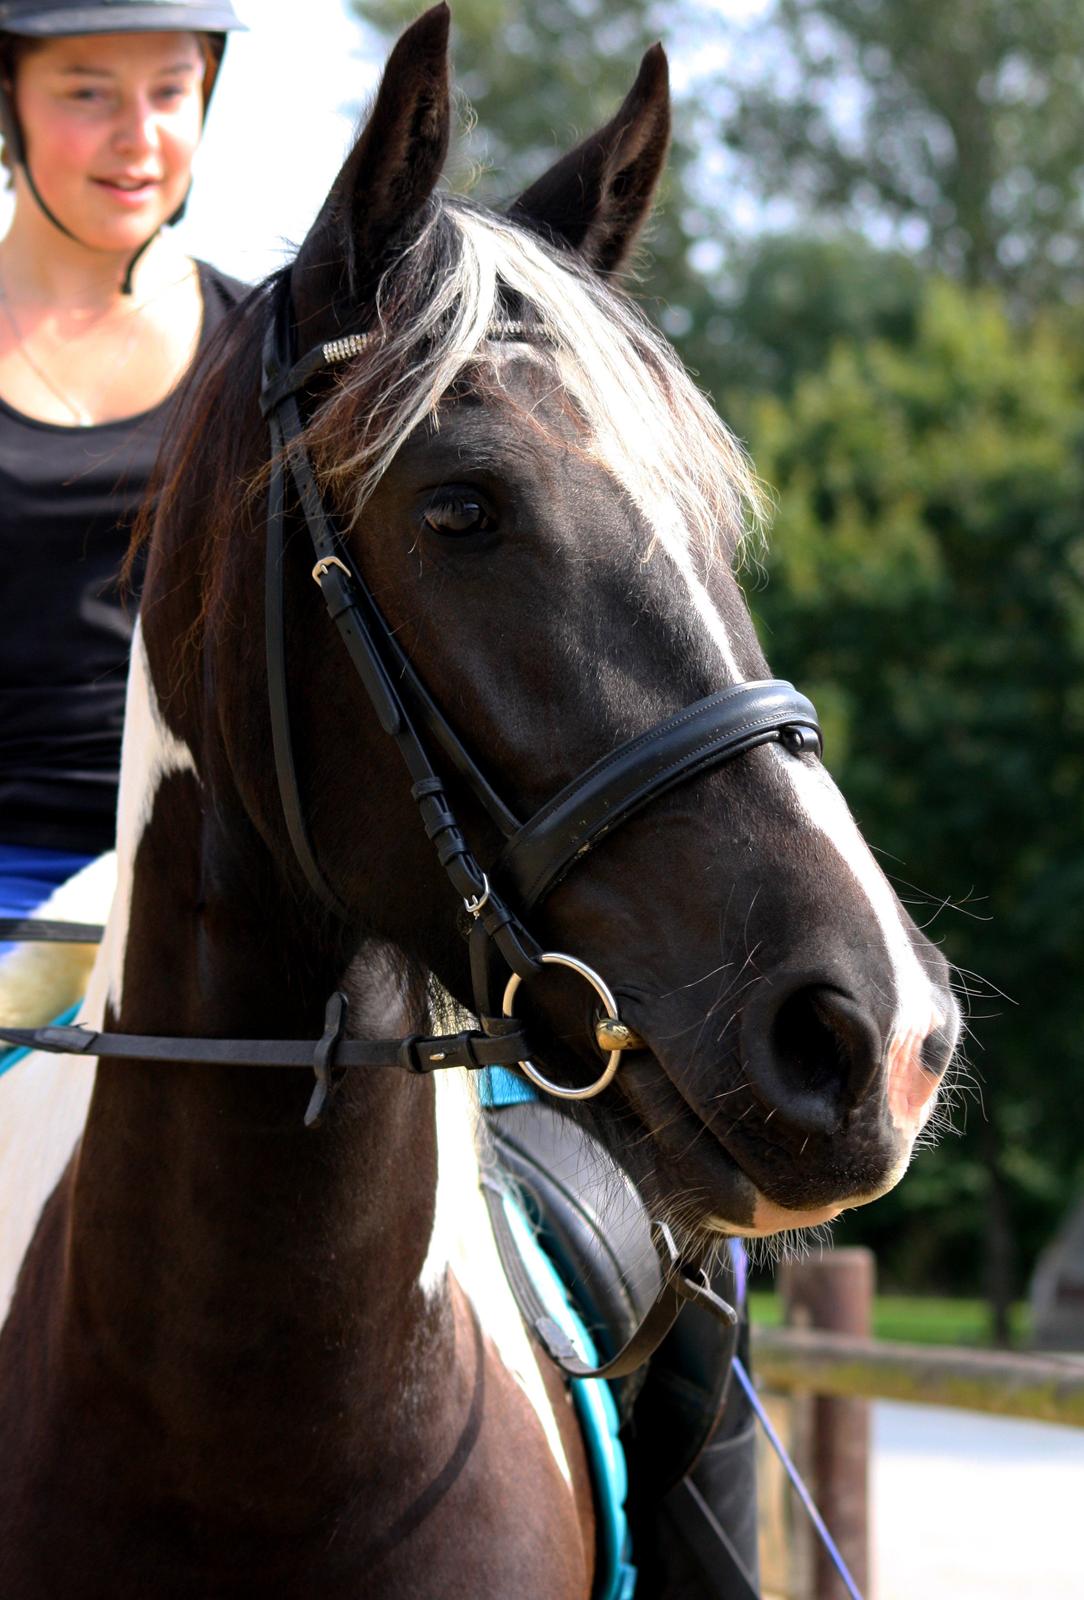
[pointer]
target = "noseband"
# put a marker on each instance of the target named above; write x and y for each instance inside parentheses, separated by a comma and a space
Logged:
(539, 852)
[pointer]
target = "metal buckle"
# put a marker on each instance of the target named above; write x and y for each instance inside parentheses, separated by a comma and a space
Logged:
(699, 1292)
(475, 905)
(551, 958)
(320, 570)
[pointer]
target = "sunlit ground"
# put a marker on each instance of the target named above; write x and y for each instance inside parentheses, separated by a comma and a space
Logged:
(975, 1508)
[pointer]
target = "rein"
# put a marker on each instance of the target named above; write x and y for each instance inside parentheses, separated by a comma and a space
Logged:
(536, 856)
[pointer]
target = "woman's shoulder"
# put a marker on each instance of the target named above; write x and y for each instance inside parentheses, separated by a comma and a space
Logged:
(220, 291)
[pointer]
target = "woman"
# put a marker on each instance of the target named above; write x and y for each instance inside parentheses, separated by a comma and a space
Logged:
(100, 316)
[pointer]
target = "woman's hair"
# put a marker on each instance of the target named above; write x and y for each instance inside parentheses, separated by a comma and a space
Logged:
(14, 49)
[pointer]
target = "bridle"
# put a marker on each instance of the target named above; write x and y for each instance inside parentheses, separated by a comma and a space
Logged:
(539, 852)
(536, 854)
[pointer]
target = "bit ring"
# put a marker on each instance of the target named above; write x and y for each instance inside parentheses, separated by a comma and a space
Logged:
(552, 958)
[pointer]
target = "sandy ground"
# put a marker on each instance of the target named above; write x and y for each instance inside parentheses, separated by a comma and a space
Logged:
(975, 1508)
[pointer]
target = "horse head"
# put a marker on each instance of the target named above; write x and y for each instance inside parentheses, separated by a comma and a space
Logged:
(548, 515)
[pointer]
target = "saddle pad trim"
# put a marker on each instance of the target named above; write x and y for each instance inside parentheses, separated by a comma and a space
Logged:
(500, 1086)
(615, 1578)
(11, 1058)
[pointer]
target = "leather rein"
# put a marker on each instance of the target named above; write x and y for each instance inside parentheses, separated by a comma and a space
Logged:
(536, 855)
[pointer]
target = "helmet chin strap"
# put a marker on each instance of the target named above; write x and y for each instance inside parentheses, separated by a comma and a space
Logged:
(47, 211)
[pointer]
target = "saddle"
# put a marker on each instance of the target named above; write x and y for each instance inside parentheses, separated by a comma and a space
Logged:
(687, 1431)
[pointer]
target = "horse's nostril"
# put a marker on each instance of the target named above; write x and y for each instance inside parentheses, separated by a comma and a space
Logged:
(812, 1055)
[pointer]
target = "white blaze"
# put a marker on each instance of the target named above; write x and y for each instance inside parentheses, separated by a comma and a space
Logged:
(917, 1010)
(462, 1242)
(44, 1099)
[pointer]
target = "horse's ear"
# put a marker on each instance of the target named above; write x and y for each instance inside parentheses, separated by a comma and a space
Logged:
(597, 198)
(387, 177)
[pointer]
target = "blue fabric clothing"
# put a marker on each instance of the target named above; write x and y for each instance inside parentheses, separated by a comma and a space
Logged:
(28, 877)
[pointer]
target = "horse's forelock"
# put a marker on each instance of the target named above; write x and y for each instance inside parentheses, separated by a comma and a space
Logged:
(463, 273)
(437, 309)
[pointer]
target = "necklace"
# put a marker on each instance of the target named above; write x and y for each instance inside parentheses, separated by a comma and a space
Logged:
(79, 412)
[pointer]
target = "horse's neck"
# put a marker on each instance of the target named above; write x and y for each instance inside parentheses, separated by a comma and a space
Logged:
(252, 1306)
(228, 1266)
(210, 1232)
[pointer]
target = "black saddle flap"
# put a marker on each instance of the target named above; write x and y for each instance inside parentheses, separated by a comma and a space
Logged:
(593, 1222)
(596, 1229)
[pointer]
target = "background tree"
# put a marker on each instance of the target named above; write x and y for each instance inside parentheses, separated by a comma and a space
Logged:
(953, 123)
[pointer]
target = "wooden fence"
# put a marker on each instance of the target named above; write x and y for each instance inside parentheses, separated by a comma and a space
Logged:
(819, 1373)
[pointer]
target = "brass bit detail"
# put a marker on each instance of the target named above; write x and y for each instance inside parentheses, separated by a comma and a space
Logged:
(613, 1035)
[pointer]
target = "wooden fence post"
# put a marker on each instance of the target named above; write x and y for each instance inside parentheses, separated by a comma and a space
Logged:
(833, 1291)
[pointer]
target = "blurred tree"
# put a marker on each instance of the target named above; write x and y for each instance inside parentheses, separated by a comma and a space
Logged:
(955, 121)
(789, 299)
(927, 582)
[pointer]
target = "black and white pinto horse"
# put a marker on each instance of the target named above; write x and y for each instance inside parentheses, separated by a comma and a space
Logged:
(243, 1358)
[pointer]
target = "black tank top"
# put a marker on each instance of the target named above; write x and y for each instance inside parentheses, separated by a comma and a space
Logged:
(68, 500)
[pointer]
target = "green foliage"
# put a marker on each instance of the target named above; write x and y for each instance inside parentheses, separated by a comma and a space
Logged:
(911, 1319)
(791, 297)
(956, 122)
(928, 566)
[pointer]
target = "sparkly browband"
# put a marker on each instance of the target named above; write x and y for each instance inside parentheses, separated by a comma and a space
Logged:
(352, 344)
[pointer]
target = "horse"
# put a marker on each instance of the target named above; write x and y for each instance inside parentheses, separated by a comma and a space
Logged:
(246, 1356)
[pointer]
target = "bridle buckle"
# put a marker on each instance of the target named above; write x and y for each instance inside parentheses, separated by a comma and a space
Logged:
(474, 905)
(320, 570)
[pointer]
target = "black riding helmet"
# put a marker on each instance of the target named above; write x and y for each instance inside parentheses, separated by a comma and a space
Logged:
(50, 19)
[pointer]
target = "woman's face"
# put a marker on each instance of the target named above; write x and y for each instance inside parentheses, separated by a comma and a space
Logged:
(110, 124)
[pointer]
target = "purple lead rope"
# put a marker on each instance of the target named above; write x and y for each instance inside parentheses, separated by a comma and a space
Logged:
(738, 1261)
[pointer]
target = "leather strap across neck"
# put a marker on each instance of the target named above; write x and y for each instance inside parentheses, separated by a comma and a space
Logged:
(333, 1054)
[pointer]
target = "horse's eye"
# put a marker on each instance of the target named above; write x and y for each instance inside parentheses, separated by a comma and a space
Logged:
(455, 515)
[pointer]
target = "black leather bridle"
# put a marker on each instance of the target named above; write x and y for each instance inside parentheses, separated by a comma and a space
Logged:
(537, 853)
